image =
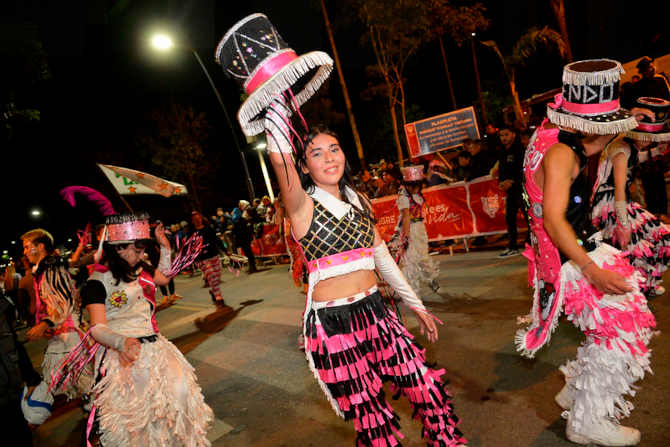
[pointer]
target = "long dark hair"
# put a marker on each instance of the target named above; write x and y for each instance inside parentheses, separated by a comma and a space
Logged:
(120, 268)
(347, 179)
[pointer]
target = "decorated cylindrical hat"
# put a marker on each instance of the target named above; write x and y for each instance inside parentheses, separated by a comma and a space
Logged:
(126, 228)
(412, 173)
(253, 54)
(589, 101)
(657, 130)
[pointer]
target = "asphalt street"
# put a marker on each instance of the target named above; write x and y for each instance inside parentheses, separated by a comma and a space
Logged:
(262, 393)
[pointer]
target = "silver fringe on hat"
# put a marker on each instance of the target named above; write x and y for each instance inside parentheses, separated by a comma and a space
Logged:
(284, 79)
(602, 77)
(648, 136)
(589, 126)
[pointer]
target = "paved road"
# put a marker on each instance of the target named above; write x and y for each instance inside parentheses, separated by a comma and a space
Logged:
(262, 393)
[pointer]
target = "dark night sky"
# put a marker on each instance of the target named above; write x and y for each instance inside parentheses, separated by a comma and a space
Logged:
(105, 81)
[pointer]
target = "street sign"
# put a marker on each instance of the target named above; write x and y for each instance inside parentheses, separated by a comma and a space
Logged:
(441, 132)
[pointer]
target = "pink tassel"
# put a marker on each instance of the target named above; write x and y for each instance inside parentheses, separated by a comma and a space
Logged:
(73, 365)
(186, 256)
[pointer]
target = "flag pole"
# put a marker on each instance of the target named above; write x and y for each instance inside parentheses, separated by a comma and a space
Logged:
(126, 203)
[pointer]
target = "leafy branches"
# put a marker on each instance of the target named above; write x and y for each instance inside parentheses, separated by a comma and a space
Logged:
(178, 145)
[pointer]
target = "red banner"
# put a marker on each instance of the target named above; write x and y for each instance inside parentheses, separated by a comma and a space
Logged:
(270, 243)
(487, 202)
(447, 212)
(453, 211)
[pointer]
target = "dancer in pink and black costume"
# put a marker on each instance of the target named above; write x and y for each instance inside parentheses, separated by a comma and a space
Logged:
(353, 342)
(575, 273)
(623, 222)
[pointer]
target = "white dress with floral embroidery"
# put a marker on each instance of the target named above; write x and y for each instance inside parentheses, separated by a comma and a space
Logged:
(156, 401)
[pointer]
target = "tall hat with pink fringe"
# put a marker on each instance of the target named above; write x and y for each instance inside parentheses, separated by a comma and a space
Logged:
(589, 101)
(253, 53)
(657, 130)
(412, 173)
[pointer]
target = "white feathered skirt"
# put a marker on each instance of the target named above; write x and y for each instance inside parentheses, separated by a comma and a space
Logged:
(155, 402)
(416, 264)
(614, 355)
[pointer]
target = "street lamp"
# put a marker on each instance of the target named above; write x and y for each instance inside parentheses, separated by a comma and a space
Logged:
(163, 42)
(36, 213)
(259, 146)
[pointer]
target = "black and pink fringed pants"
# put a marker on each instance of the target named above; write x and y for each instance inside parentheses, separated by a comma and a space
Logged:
(356, 348)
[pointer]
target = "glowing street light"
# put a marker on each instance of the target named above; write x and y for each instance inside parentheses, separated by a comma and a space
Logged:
(259, 146)
(36, 213)
(161, 42)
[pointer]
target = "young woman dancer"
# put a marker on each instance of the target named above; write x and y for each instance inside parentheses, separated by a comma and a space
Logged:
(353, 343)
(147, 393)
(410, 239)
(623, 222)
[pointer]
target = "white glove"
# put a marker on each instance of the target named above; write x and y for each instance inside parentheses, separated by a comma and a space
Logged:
(277, 131)
(164, 260)
(105, 336)
(620, 208)
(394, 277)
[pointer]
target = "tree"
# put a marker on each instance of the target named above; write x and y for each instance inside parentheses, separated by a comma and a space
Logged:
(178, 145)
(345, 90)
(458, 23)
(527, 47)
(558, 6)
(24, 66)
(395, 31)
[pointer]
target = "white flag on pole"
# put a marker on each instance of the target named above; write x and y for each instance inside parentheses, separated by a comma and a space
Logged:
(129, 182)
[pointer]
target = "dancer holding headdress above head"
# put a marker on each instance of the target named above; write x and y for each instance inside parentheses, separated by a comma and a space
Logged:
(572, 270)
(353, 343)
(147, 393)
(625, 223)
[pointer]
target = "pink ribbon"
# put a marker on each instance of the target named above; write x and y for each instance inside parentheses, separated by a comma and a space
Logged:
(558, 101)
(656, 127)
(584, 109)
(268, 69)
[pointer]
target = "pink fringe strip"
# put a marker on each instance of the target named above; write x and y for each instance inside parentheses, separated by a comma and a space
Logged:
(186, 255)
(74, 364)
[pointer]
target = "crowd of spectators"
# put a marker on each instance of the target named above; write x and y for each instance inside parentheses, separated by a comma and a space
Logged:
(475, 158)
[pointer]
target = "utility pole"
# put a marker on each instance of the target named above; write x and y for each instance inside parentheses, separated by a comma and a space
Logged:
(479, 85)
(347, 101)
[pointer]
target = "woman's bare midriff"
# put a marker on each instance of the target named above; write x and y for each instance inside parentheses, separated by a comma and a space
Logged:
(344, 285)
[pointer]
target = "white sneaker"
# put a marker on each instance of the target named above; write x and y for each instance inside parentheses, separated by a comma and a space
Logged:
(607, 433)
(566, 397)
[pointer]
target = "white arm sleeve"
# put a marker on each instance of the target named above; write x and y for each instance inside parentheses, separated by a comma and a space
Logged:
(394, 277)
(164, 260)
(105, 336)
(277, 131)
